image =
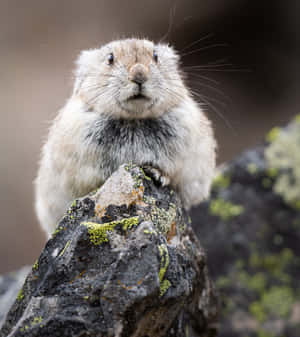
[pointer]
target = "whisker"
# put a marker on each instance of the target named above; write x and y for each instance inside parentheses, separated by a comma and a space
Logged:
(203, 77)
(207, 36)
(200, 95)
(220, 92)
(170, 25)
(205, 48)
(216, 110)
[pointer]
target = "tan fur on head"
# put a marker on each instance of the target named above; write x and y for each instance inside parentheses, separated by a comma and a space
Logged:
(109, 86)
(129, 104)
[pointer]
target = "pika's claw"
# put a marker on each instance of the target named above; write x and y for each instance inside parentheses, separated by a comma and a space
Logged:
(157, 175)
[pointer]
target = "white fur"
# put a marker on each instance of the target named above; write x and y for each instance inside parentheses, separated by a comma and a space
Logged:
(70, 166)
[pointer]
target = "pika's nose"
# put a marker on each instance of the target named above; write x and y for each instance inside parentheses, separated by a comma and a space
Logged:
(138, 74)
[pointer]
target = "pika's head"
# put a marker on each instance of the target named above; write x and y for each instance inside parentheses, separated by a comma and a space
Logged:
(130, 78)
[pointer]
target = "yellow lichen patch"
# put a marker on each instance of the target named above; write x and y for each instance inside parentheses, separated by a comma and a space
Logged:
(35, 265)
(221, 181)
(252, 168)
(164, 263)
(283, 157)
(98, 232)
(273, 134)
(20, 295)
(36, 320)
(74, 203)
(225, 209)
(129, 223)
(145, 176)
(147, 231)
(164, 286)
(65, 248)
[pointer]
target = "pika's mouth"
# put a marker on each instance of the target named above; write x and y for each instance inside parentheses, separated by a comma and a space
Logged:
(138, 97)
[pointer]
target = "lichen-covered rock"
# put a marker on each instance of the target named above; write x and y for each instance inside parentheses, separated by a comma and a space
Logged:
(122, 262)
(251, 230)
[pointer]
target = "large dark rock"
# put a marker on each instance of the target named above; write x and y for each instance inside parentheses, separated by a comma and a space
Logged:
(251, 230)
(122, 262)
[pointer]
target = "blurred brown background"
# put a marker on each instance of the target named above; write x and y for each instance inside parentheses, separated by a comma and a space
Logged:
(39, 41)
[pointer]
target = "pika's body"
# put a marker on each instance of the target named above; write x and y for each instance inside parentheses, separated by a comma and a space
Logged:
(129, 104)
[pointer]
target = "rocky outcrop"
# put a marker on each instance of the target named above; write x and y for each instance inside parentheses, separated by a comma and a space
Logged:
(123, 261)
(251, 230)
(10, 284)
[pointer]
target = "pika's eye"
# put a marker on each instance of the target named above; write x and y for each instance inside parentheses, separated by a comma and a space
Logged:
(110, 58)
(155, 56)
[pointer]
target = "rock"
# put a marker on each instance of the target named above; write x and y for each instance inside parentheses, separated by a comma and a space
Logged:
(123, 261)
(10, 285)
(251, 230)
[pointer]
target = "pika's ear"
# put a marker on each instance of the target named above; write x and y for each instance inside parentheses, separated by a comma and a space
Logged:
(168, 52)
(86, 60)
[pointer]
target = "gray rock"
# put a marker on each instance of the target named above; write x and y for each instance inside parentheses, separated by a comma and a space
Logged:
(251, 230)
(10, 285)
(123, 262)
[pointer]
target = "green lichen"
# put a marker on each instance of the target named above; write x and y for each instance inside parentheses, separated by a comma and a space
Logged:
(162, 218)
(74, 203)
(221, 181)
(164, 263)
(273, 134)
(225, 209)
(272, 172)
(36, 320)
(276, 301)
(265, 279)
(35, 265)
(147, 231)
(137, 175)
(145, 176)
(128, 223)
(274, 264)
(65, 248)
(252, 168)
(98, 232)
(20, 295)
(164, 286)
(58, 229)
(283, 158)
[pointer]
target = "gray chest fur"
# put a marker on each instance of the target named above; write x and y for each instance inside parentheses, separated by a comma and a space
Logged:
(141, 141)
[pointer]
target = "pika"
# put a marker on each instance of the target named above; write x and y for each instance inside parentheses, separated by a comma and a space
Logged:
(129, 104)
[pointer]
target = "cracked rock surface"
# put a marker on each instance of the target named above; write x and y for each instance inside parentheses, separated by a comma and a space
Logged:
(123, 261)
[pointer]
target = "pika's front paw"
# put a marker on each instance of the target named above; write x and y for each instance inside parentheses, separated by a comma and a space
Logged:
(157, 175)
